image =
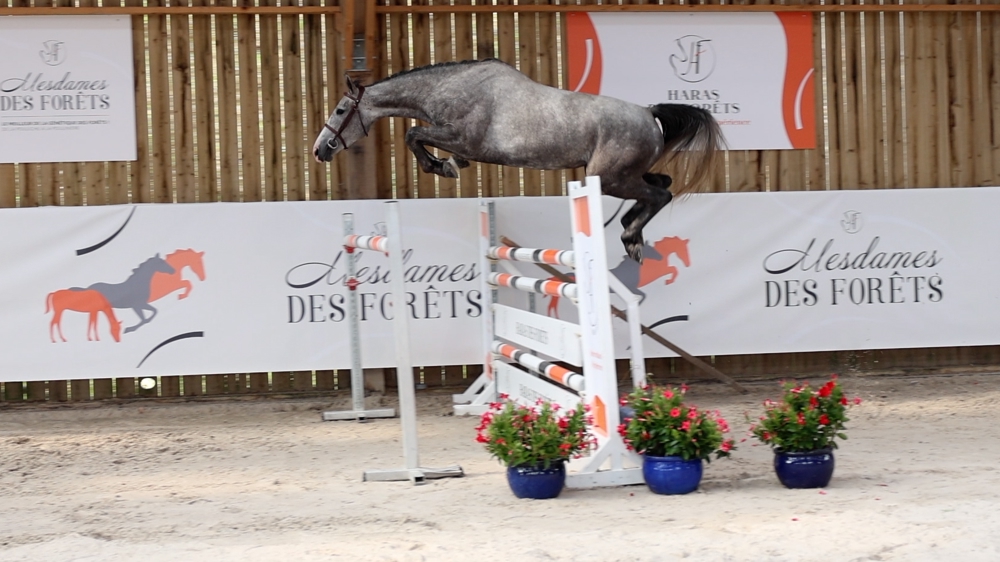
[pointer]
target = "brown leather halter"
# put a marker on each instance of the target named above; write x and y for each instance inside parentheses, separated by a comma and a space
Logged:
(354, 110)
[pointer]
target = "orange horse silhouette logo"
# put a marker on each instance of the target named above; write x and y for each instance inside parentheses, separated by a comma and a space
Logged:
(153, 279)
(655, 265)
(81, 300)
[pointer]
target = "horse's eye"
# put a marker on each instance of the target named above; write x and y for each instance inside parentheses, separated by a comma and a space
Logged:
(340, 111)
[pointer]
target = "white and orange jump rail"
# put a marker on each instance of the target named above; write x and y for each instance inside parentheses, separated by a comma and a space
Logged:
(392, 246)
(524, 349)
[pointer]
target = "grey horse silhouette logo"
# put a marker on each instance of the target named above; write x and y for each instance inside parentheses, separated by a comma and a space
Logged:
(134, 292)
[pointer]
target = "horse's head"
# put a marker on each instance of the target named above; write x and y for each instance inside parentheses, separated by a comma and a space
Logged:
(116, 327)
(188, 258)
(674, 245)
(345, 126)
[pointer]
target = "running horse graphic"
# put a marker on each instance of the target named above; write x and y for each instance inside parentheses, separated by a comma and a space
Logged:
(656, 265)
(134, 292)
(163, 283)
(154, 279)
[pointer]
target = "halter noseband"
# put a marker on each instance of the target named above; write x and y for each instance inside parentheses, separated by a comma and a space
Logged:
(337, 133)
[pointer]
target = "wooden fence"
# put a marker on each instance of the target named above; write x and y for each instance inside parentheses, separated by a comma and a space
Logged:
(230, 95)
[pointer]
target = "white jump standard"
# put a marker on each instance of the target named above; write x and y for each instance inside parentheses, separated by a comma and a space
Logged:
(393, 246)
(523, 348)
(351, 242)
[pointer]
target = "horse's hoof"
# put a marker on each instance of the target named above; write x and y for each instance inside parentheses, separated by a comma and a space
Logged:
(449, 168)
(130, 329)
(634, 251)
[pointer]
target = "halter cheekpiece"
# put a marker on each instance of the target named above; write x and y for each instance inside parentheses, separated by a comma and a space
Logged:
(354, 110)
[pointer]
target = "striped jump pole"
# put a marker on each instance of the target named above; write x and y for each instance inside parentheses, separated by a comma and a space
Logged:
(540, 366)
(550, 257)
(532, 285)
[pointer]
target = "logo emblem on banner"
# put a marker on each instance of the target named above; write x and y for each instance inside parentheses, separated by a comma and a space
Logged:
(852, 222)
(153, 279)
(696, 59)
(53, 52)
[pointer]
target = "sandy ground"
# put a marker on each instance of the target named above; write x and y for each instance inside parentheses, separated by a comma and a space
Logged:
(268, 480)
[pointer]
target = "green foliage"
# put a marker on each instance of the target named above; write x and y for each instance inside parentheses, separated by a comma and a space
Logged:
(663, 425)
(522, 435)
(805, 419)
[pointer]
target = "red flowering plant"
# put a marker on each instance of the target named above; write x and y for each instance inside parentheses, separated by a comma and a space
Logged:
(519, 435)
(805, 419)
(660, 424)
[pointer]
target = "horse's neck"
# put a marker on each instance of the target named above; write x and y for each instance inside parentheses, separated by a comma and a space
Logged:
(396, 98)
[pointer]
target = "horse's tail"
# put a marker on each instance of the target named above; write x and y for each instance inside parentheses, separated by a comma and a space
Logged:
(48, 302)
(692, 141)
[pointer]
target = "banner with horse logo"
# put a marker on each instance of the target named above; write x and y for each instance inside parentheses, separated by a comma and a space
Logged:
(215, 288)
(752, 71)
(137, 290)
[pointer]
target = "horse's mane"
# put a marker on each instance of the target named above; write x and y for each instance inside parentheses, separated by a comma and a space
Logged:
(441, 66)
(148, 261)
(181, 252)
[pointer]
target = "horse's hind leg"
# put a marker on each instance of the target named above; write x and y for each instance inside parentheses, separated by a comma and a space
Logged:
(418, 138)
(650, 196)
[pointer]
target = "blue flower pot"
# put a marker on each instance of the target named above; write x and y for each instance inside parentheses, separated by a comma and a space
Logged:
(536, 481)
(671, 475)
(810, 469)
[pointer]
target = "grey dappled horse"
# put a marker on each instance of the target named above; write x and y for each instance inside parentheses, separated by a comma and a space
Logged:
(489, 112)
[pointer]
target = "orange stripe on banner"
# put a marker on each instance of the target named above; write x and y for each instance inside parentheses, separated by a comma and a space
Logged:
(798, 95)
(581, 210)
(600, 413)
(584, 54)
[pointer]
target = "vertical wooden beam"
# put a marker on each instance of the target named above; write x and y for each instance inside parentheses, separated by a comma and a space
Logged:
(360, 159)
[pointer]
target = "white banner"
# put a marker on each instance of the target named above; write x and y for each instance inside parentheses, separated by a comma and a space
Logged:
(260, 286)
(752, 71)
(66, 89)
(272, 296)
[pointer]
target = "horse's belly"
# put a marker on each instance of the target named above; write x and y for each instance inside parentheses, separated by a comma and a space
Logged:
(528, 153)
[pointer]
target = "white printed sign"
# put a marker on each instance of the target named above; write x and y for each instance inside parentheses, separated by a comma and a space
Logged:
(66, 89)
(119, 291)
(752, 71)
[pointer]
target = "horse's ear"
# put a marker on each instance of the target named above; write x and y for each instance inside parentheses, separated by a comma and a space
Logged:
(352, 86)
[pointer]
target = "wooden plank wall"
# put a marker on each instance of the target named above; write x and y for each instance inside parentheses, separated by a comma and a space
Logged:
(227, 106)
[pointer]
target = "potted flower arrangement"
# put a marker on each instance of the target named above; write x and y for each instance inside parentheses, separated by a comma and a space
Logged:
(534, 442)
(802, 429)
(673, 437)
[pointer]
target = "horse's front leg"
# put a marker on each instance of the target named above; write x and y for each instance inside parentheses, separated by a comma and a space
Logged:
(418, 138)
(186, 285)
(142, 318)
